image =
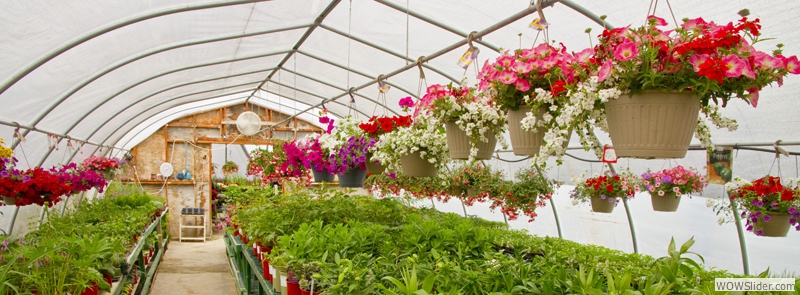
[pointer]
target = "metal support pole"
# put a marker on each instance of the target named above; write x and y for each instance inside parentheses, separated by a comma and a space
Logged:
(628, 213)
(463, 207)
(740, 231)
(555, 214)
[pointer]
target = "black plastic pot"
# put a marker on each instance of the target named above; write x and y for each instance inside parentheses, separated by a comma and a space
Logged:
(324, 175)
(353, 178)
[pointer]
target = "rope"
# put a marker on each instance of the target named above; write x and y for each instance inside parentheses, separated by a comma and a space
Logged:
(349, 37)
(407, 29)
(673, 14)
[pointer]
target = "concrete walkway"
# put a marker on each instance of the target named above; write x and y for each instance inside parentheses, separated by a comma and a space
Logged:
(195, 268)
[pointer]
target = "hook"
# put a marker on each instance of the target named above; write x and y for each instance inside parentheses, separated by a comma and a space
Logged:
(419, 65)
(778, 150)
(350, 92)
(471, 37)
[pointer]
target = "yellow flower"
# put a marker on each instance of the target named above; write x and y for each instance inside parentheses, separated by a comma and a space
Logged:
(5, 152)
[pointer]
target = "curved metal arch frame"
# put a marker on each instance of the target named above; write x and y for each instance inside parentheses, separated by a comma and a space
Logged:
(174, 98)
(234, 101)
(47, 154)
(116, 66)
(334, 113)
(82, 39)
(164, 74)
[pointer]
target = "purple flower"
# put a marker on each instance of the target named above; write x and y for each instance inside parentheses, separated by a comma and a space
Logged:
(792, 210)
(324, 120)
(26, 178)
(603, 197)
(767, 218)
(750, 228)
(744, 213)
(666, 179)
(774, 205)
(760, 232)
(646, 176)
(392, 175)
(3, 173)
(792, 221)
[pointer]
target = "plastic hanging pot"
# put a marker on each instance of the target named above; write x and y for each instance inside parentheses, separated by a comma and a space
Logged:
(322, 175)
(459, 145)
(666, 203)
(353, 178)
(601, 205)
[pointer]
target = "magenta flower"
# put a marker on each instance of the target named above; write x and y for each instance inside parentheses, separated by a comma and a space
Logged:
(753, 95)
(522, 67)
(507, 61)
(792, 65)
(692, 24)
(584, 55)
(407, 102)
(626, 51)
(659, 22)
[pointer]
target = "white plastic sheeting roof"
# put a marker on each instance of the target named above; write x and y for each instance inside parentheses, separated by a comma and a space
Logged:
(111, 72)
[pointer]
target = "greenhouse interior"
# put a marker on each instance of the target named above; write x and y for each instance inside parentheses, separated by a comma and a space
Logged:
(399, 147)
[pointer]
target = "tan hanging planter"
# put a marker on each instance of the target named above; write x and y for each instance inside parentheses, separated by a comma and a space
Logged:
(10, 201)
(778, 226)
(652, 124)
(601, 205)
(372, 167)
(524, 143)
(458, 142)
(414, 165)
(666, 203)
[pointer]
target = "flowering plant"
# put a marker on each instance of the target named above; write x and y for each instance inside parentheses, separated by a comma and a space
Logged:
(676, 181)
(384, 124)
(230, 167)
(480, 182)
(405, 186)
(608, 186)
(296, 160)
(425, 136)
(103, 165)
(5, 152)
(350, 155)
(471, 111)
(81, 179)
(265, 164)
(715, 62)
(32, 186)
(762, 199)
(527, 192)
(545, 78)
(316, 156)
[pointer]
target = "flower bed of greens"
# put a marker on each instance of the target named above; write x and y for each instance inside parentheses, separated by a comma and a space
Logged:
(85, 247)
(361, 245)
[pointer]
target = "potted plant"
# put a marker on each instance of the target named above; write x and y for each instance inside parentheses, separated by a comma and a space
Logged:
(603, 191)
(107, 166)
(529, 191)
(348, 146)
(666, 187)
(473, 123)
(265, 164)
(671, 75)
(770, 207)
(377, 126)
(421, 147)
(230, 167)
(478, 181)
(316, 158)
(532, 86)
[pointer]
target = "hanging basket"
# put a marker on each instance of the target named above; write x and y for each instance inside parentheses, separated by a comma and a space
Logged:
(601, 205)
(372, 167)
(778, 226)
(458, 142)
(524, 143)
(322, 175)
(414, 165)
(666, 203)
(353, 178)
(652, 124)
(9, 201)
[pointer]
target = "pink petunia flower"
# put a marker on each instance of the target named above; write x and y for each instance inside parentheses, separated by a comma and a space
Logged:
(697, 60)
(506, 61)
(584, 55)
(792, 65)
(605, 71)
(507, 77)
(522, 85)
(522, 67)
(753, 95)
(692, 24)
(734, 64)
(767, 61)
(626, 51)
(659, 22)
(542, 50)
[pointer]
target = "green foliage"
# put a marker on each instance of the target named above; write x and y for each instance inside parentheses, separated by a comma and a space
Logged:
(70, 253)
(362, 245)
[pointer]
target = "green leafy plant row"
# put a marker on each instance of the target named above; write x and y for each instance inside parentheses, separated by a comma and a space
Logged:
(361, 245)
(69, 253)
